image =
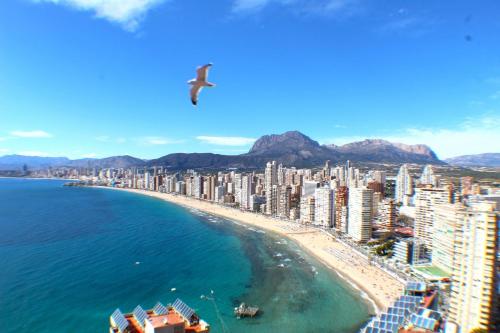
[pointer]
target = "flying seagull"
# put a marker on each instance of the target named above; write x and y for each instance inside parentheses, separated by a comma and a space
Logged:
(199, 82)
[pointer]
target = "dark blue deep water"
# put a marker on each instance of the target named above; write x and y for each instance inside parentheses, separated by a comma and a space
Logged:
(69, 256)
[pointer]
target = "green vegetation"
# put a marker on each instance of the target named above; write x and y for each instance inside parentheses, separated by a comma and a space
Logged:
(384, 247)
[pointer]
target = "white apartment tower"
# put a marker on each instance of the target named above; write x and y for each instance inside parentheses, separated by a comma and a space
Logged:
(324, 210)
(428, 177)
(307, 207)
(270, 180)
(246, 191)
(473, 302)
(359, 224)
(443, 236)
(404, 185)
(426, 200)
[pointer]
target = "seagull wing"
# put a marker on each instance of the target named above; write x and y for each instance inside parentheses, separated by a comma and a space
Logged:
(195, 91)
(202, 72)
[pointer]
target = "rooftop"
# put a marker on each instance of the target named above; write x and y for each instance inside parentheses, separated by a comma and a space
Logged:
(159, 317)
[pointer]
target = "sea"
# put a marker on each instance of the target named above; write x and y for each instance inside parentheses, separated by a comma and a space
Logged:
(69, 256)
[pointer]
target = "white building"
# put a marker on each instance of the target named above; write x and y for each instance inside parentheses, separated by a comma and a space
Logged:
(428, 177)
(473, 302)
(404, 186)
(270, 180)
(324, 208)
(359, 224)
(307, 208)
(426, 200)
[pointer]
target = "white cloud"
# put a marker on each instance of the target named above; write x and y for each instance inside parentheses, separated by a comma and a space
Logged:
(242, 5)
(312, 6)
(89, 155)
(31, 134)
(33, 153)
(3, 150)
(127, 13)
(226, 140)
(474, 136)
(158, 140)
(106, 138)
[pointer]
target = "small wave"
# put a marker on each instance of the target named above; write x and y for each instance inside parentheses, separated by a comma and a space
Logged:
(278, 254)
(287, 259)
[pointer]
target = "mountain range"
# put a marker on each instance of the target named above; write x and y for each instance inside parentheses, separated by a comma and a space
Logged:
(290, 148)
(480, 160)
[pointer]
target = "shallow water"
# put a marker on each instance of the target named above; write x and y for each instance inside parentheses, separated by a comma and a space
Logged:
(70, 256)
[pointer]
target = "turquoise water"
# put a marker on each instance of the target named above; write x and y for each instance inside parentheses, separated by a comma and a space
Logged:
(69, 257)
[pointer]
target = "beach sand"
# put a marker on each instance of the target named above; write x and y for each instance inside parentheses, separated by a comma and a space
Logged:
(381, 288)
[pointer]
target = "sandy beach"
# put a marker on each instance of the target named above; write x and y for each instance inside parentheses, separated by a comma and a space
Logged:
(381, 288)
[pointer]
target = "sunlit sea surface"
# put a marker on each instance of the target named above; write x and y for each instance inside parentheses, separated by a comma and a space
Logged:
(69, 256)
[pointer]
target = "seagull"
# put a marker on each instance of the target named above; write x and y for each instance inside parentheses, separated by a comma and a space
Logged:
(199, 82)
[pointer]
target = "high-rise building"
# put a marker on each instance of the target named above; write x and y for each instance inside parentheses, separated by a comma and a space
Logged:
(360, 214)
(474, 298)
(270, 180)
(443, 237)
(428, 177)
(280, 173)
(404, 186)
(466, 186)
(426, 200)
(307, 207)
(246, 192)
(147, 180)
(197, 186)
(210, 190)
(237, 187)
(324, 210)
(387, 214)
(341, 199)
(284, 196)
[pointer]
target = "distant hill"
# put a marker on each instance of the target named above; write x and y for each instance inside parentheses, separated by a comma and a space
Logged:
(483, 160)
(124, 161)
(16, 162)
(290, 148)
(385, 151)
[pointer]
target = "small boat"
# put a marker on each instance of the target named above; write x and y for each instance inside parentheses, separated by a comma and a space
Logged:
(173, 289)
(246, 311)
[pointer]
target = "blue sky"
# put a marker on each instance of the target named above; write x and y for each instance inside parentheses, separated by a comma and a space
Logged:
(94, 78)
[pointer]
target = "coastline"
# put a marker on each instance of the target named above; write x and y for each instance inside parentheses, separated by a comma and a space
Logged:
(376, 286)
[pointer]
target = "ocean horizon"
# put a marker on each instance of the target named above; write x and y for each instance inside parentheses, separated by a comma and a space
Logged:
(71, 255)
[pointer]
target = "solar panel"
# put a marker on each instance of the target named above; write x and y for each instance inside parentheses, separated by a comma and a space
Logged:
(120, 321)
(183, 309)
(160, 309)
(416, 286)
(140, 315)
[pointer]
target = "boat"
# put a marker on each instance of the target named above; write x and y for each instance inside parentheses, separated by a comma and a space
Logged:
(246, 311)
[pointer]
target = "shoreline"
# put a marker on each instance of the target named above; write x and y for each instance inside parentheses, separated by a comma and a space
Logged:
(381, 289)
